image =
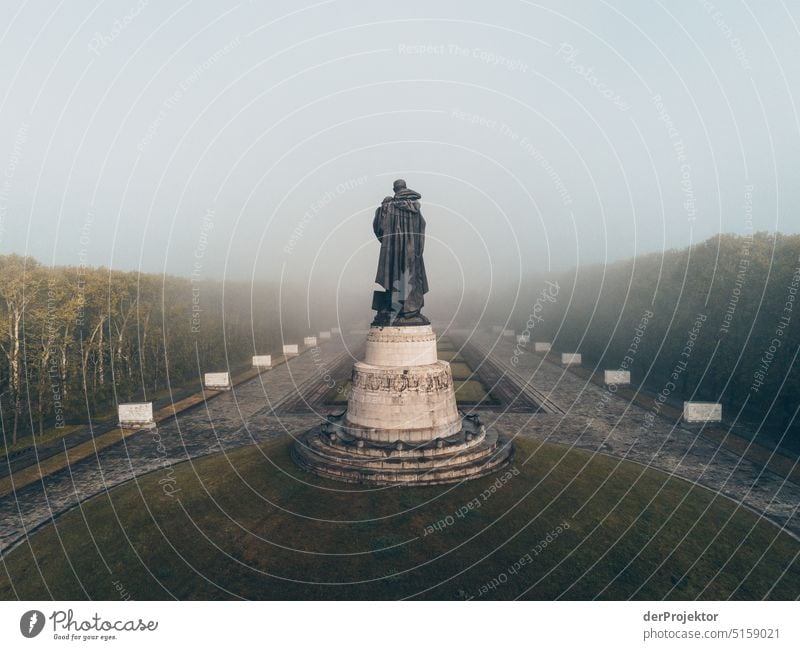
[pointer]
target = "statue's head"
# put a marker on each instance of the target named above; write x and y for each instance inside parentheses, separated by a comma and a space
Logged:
(398, 185)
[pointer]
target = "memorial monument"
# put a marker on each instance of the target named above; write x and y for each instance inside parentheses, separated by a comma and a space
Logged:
(402, 425)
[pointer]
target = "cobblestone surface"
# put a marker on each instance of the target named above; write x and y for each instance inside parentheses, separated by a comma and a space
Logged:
(257, 410)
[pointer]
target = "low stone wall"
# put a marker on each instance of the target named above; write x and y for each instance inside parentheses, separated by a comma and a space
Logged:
(616, 377)
(136, 415)
(217, 380)
(702, 412)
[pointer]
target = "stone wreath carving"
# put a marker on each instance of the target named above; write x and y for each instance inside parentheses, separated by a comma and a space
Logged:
(399, 383)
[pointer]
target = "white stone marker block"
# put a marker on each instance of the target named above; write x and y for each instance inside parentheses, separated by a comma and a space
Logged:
(617, 377)
(290, 349)
(262, 361)
(324, 336)
(136, 415)
(702, 412)
(540, 346)
(497, 329)
(310, 340)
(508, 332)
(217, 380)
(570, 359)
(336, 330)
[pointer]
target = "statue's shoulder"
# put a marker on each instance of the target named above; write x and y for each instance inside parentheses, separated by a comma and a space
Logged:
(388, 199)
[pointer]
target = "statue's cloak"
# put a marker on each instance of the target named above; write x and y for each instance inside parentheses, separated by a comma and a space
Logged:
(400, 227)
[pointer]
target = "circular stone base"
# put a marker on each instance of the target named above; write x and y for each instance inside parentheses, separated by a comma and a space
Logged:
(401, 346)
(331, 452)
(414, 404)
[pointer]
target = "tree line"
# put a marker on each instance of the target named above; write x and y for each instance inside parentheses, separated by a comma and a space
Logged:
(718, 321)
(79, 340)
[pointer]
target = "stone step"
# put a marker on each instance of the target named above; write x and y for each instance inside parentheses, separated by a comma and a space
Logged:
(399, 463)
(421, 476)
(364, 448)
(320, 444)
(422, 471)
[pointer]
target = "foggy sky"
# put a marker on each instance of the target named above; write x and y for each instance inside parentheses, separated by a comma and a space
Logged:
(254, 140)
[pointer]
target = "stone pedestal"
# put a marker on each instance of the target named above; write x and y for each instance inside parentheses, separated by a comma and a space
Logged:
(402, 425)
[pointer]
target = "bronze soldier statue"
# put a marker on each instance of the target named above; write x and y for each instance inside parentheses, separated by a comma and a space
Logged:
(400, 228)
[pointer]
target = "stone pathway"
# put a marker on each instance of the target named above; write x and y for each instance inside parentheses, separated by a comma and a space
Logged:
(245, 415)
(596, 420)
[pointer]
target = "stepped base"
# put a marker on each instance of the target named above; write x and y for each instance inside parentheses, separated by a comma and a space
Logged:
(402, 425)
(332, 452)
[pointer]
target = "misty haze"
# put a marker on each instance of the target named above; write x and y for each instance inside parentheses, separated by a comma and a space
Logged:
(379, 301)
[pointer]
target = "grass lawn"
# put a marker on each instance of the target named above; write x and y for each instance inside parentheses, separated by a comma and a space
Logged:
(450, 355)
(462, 371)
(27, 442)
(252, 525)
(339, 394)
(471, 392)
